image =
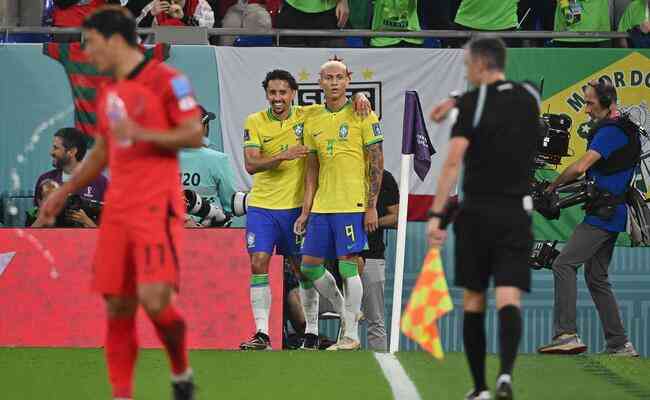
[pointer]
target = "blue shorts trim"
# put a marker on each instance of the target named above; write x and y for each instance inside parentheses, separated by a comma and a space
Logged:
(268, 229)
(331, 236)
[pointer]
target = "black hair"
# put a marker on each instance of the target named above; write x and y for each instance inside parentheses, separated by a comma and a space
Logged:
(280, 75)
(605, 90)
(73, 138)
(112, 20)
(491, 50)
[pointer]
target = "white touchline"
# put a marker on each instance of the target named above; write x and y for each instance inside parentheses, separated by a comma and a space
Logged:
(402, 386)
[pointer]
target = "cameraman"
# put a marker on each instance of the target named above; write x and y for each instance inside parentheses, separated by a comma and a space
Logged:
(613, 150)
(77, 218)
(209, 173)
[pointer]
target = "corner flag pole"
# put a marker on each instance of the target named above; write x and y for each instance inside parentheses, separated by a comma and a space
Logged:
(416, 146)
(405, 174)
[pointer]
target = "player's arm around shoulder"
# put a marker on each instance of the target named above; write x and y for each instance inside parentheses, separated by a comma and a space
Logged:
(373, 139)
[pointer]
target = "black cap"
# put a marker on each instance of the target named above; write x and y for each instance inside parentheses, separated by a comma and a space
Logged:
(206, 116)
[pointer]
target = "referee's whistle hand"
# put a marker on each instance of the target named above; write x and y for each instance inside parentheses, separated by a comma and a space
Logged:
(440, 110)
(436, 235)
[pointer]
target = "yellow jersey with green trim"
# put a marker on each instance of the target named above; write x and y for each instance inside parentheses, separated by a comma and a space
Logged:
(280, 188)
(339, 139)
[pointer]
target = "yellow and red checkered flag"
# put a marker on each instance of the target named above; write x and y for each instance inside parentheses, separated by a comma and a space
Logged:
(429, 301)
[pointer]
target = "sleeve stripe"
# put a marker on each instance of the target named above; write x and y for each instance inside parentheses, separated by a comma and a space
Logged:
(252, 145)
(482, 92)
(374, 141)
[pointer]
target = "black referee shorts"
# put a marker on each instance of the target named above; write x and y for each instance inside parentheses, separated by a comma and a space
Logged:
(493, 240)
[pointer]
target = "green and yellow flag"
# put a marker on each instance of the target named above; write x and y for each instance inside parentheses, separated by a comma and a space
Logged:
(429, 301)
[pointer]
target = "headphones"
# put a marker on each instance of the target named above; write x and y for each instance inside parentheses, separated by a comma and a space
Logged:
(605, 91)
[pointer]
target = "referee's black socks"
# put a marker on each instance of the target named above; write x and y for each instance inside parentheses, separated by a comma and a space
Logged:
(509, 336)
(474, 340)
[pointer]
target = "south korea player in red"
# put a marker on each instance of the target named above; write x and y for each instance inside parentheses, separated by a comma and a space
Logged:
(144, 116)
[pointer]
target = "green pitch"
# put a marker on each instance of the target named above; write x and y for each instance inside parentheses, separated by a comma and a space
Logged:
(80, 374)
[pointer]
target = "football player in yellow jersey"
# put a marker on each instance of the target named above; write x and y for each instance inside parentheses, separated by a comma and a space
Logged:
(274, 154)
(343, 176)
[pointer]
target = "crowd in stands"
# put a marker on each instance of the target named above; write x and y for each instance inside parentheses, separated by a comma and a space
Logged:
(384, 15)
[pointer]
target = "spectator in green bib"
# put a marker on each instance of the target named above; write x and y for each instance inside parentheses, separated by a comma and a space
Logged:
(636, 21)
(488, 15)
(313, 14)
(582, 16)
(398, 16)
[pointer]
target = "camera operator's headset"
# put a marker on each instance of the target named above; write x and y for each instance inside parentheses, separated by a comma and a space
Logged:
(605, 92)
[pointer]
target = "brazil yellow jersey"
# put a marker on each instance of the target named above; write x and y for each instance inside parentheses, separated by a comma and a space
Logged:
(280, 188)
(340, 139)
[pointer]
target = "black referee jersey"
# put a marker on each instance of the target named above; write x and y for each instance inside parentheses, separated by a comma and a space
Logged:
(501, 122)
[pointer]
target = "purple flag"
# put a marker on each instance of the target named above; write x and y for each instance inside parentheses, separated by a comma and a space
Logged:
(415, 138)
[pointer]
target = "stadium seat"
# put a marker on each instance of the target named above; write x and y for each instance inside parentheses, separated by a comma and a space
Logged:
(25, 38)
(22, 200)
(432, 43)
(253, 41)
(354, 42)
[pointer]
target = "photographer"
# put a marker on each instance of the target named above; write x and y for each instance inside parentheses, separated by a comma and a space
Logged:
(613, 150)
(70, 217)
(209, 174)
(69, 147)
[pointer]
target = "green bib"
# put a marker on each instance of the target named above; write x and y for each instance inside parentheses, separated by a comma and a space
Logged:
(635, 14)
(488, 15)
(312, 6)
(396, 16)
(595, 17)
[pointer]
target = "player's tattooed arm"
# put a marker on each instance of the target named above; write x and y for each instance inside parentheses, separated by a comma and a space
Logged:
(376, 162)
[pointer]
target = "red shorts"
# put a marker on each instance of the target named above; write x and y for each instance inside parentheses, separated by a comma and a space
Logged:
(129, 254)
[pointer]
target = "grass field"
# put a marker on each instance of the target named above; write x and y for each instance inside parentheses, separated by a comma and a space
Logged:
(71, 374)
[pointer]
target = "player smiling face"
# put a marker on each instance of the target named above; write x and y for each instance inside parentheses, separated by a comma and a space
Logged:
(334, 79)
(280, 95)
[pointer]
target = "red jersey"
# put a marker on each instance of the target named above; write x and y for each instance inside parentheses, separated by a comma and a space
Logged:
(73, 16)
(144, 178)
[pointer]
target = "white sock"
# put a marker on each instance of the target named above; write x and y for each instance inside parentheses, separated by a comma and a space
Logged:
(184, 377)
(353, 294)
(309, 300)
(261, 303)
(326, 286)
(504, 378)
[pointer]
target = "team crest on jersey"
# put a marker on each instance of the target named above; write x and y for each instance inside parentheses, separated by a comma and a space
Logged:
(250, 239)
(182, 89)
(343, 131)
(298, 129)
(376, 129)
(247, 135)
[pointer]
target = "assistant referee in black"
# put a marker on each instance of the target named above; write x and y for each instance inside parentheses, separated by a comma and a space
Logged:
(495, 136)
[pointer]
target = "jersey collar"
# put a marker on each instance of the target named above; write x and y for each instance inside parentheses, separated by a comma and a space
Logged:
(137, 70)
(347, 103)
(272, 116)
